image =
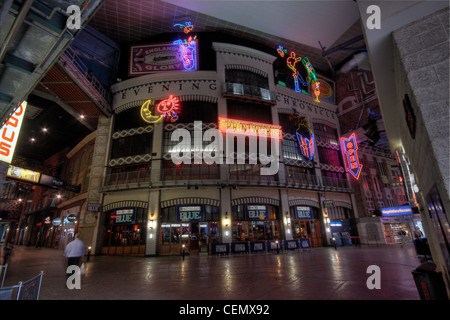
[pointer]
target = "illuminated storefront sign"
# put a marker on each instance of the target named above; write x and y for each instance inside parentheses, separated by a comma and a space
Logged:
(303, 212)
(9, 133)
(396, 211)
(23, 174)
(257, 212)
(187, 213)
(180, 55)
(249, 128)
(350, 147)
(124, 216)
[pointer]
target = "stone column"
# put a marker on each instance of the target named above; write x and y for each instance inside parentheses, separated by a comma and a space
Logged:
(91, 221)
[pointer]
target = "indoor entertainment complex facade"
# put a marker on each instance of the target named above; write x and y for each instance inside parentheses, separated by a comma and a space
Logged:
(151, 204)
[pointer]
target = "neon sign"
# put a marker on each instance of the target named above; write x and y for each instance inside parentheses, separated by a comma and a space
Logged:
(305, 136)
(169, 107)
(9, 133)
(188, 27)
(281, 51)
(350, 147)
(298, 79)
(146, 112)
(188, 49)
(249, 128)
(306, 145)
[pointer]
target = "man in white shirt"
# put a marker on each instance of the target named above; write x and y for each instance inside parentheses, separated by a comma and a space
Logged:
(74, 251)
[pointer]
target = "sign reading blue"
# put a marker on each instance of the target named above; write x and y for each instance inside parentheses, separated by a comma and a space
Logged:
(257, 212)
(124, 216)
(303, 212)
(396, 211)
(188, 213)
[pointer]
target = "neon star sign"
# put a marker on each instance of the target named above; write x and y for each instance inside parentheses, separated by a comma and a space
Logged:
(350, 147)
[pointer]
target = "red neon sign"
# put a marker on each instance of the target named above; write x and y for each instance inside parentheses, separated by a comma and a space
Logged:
(350, 147)
(169, 108)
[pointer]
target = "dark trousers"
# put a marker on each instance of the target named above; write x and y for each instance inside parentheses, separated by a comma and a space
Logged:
(73, 261)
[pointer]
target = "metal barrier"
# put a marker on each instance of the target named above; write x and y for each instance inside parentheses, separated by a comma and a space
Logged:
(256, 247)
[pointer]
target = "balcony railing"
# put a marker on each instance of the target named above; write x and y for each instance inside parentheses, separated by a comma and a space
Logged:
(193, 173)
(232, 175)
(250, 92)
(82, 74)
(303, 180)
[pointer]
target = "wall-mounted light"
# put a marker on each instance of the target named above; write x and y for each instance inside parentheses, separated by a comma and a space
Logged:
(151, 224)
(227, 221)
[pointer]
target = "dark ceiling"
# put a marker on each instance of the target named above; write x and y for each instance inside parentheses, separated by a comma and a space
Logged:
(51, 127)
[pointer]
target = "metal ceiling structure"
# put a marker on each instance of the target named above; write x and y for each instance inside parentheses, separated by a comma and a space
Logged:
(33, 35)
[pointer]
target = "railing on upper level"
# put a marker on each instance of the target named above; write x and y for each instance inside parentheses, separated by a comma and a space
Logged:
(250, 92)
(73, 63)
(233, 175)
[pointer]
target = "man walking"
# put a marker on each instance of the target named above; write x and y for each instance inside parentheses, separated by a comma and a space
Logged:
(74, 252)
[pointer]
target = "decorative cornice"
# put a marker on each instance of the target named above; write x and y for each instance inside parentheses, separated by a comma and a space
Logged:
(190, 200)
(243, 51)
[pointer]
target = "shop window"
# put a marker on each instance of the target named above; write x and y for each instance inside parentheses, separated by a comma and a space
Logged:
(125, 231)
(192, 234)
(306, 228)
(245, 229)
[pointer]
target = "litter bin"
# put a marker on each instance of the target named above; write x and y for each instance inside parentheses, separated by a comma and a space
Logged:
(422, 247)
(429, 282)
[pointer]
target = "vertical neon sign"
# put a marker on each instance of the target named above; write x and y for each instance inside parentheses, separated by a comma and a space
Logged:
(188, 47)
(350, 147)
(306, 145)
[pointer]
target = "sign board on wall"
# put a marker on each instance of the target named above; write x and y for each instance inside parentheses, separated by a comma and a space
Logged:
(303, 212)
(257, 212)
(187, 213)
(124, 216)
(9, 133)
(162, 57)
(23, 174)
(396, 211)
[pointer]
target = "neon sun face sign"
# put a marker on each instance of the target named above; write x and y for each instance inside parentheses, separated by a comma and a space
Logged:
(350, 147)
(168, 108)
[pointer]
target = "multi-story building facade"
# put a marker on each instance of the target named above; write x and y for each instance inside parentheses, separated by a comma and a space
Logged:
(150, 205)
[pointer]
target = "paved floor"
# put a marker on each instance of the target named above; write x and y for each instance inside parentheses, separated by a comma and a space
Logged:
(320, 274)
